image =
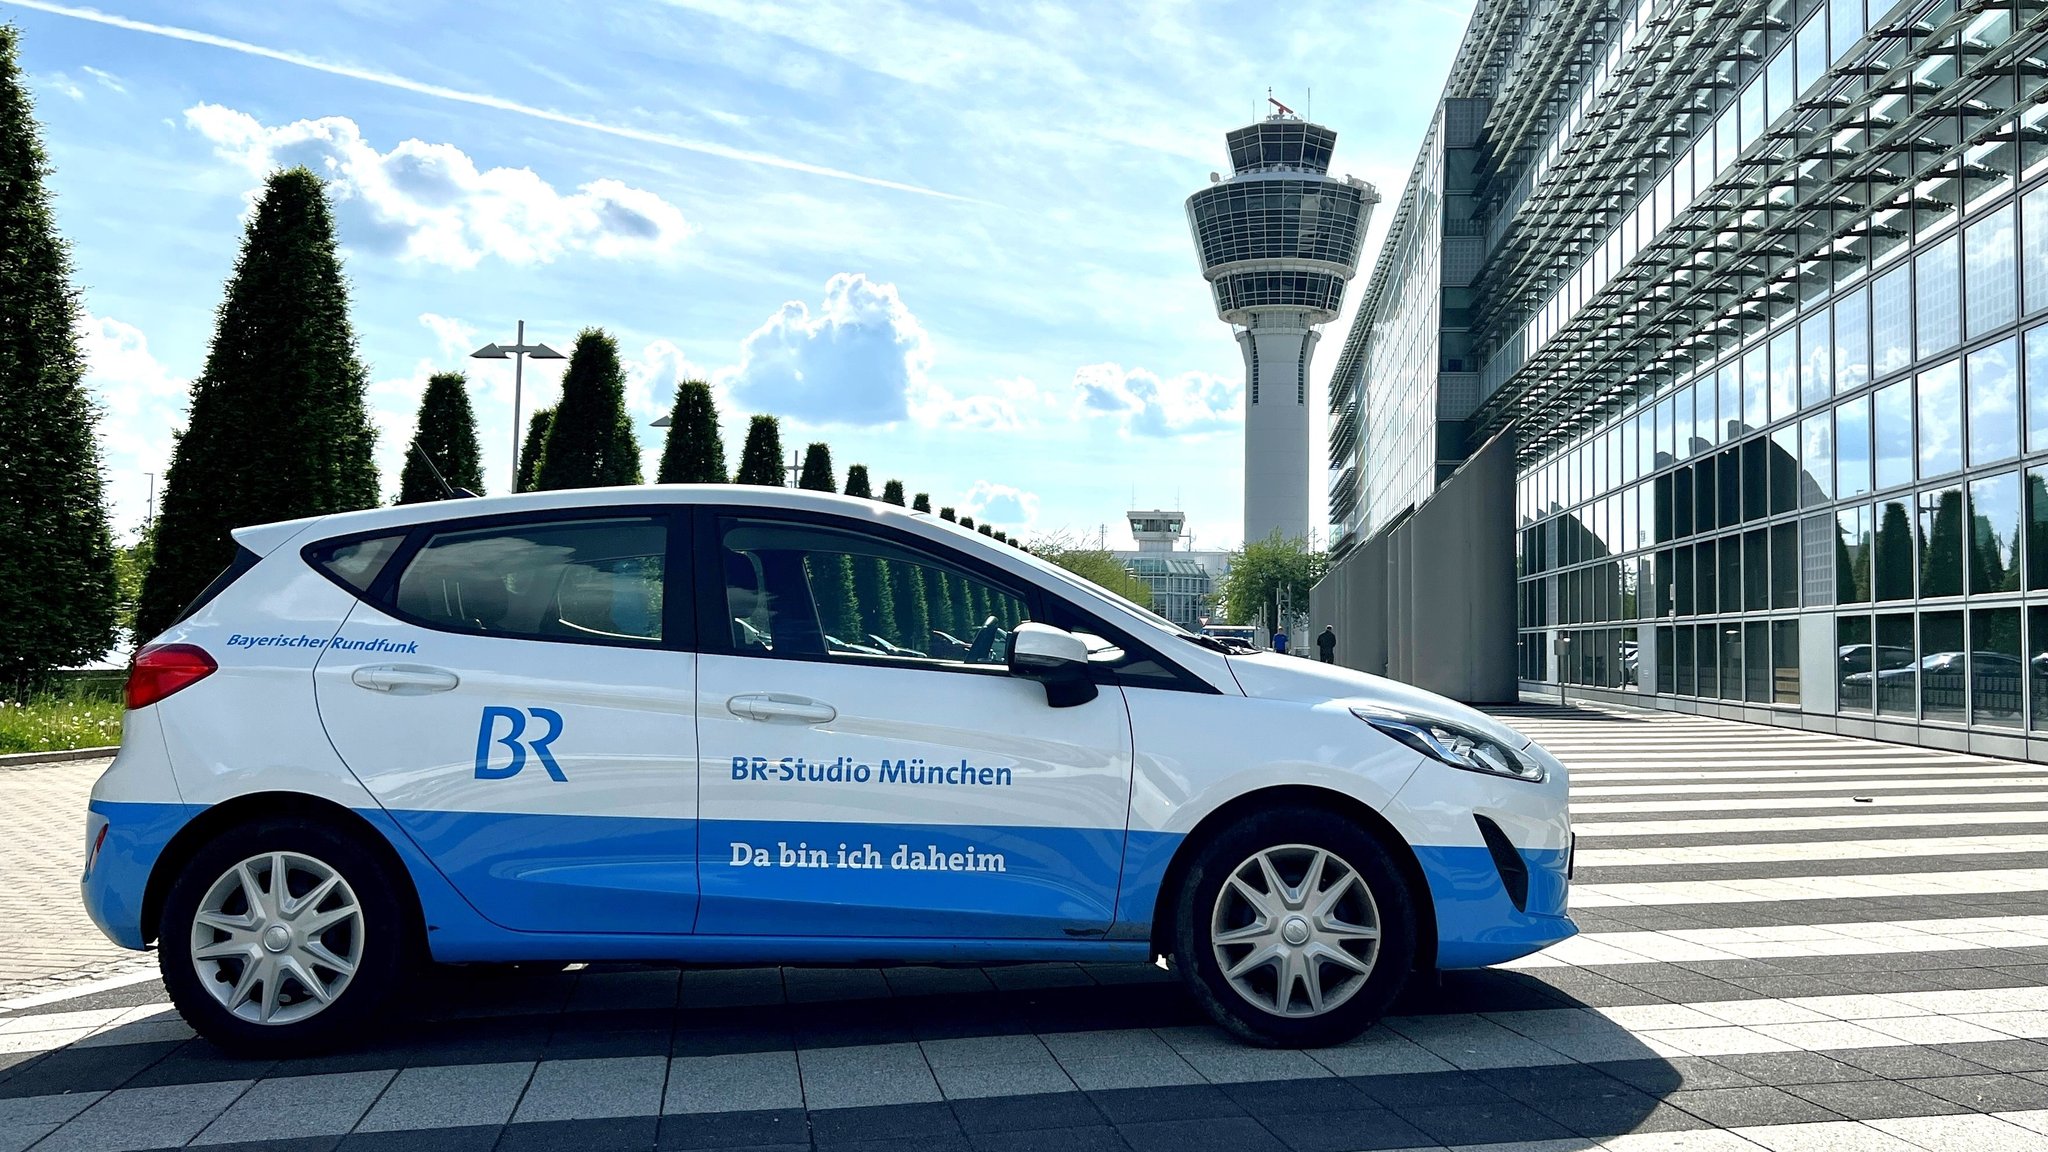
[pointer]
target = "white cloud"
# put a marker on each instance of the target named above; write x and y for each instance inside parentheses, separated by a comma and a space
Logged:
(1008, 406)
(142, 405)
(858, 360)
(1000, 505)
(63, 85)
(107, 79)
(431, 203)
(1189, 404)
(651, 381)
(455, 337)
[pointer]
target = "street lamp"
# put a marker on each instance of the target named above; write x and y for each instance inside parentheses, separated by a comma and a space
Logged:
(517, 353)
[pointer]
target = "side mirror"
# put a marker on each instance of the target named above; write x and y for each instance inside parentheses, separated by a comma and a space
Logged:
(1055, 658)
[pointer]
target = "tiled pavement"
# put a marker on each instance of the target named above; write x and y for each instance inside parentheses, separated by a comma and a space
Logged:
(1793, 942)
(45, 937)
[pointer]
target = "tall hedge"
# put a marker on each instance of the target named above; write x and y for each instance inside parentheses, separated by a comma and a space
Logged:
(278, 426)
(892, 493)
(56, 554)
(590, 439)
(816, 474)
(761, 456)
(446, 432)
(694, 452)
(535, 448)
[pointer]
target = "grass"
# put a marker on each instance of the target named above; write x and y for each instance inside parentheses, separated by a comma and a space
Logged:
(74, 716)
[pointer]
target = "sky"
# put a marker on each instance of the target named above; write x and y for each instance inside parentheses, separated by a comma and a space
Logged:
(948, 239)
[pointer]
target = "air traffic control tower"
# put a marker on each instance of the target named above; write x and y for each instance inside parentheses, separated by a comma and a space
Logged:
(1277, 240)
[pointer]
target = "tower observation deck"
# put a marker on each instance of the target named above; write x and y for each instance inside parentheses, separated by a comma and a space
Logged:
(1278, 239)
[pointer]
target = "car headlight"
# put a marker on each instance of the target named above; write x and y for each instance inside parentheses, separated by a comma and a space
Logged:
(1453, 744)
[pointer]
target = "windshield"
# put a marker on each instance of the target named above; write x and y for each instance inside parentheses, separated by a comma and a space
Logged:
(1093, 588)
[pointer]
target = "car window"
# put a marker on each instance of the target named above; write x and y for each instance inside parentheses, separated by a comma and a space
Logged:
(355, 563)
(591, 581)
(806, 591)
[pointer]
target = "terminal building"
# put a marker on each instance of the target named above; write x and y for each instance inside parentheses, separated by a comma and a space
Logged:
(1705, 366)
(1183, 581)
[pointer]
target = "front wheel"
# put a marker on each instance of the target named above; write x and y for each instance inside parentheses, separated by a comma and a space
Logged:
(1294, 929)
(282, 937)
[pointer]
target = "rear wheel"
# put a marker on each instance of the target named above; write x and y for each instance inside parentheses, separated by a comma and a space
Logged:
(1294, 928)
(281, 937)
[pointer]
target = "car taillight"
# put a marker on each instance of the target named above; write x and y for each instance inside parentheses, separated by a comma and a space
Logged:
(162, 669)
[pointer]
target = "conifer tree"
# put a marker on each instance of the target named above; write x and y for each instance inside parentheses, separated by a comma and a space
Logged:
(761, 456)
(922, 503)
(694, 453)
(816, 475)
(913, 617)
(985, 529)
(278, 426)
(56, 553)
(892, 493)
(535, 447)
(446, 432)
(946, 513)
(590, 439)
(967, 522)
(857, 483)
(964, 615)
(938, 587)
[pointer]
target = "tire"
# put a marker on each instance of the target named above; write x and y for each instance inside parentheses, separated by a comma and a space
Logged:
(1285, 939)
(206, 964)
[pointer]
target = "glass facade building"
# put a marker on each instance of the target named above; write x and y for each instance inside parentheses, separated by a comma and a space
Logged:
(1759, 294)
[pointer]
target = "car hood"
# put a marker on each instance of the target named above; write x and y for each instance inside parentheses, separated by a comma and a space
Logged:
(1270, 676)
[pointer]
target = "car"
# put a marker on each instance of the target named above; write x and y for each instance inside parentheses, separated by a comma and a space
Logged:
(609, 725)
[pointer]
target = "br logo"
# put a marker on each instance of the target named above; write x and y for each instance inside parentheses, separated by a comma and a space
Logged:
(487, 735)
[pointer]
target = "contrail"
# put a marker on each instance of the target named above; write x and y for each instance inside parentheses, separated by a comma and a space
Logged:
(479, 99)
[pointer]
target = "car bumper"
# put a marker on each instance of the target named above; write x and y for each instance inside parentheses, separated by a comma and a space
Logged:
(123, 843)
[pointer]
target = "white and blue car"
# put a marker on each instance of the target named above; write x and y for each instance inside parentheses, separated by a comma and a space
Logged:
(725, 725)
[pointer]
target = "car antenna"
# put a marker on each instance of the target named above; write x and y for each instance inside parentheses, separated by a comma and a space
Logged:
(448, 491)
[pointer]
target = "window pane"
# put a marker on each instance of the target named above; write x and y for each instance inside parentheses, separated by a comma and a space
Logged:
(1730, 376)
(1852, 447)
(1756, 381)
(2034, 229)
(1707, 578)
(1785, 661)
(1709, 656)
(1755, 469)
(1935, 298)
(2036, 371)
(1852, 555)
(1891, 321)
(1816, 460)
(1893, 563)
(1942, 667)
(1852, 341)
(1785, 565)
(1994, 560)
(1756, 662)
(1816, 364)
(1666, 645)
(2037, 664)
(1846, 18)
(1730, 633)
(1941, 542)
(1784, 447)
(590, 581)
(1852, 662)
(1785, 373)
(1686, 682)
(1992, 294)
(1995, 668)
(1756, 570)
(2037, 529)
(1941, 419)
(1994, 381)
(819, 593)
(1684, 429)
(1898, 686)
(1894, 427)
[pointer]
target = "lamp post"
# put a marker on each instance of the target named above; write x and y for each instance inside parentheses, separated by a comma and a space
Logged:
(517, 353)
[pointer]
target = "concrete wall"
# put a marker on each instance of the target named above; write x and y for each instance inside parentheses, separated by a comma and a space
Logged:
(1430, 600)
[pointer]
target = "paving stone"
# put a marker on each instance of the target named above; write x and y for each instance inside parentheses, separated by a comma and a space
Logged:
(868, 1075)
(742, 1082)
(456, 1096)
(136, 1118)
(593, 1089)
(291, 1106)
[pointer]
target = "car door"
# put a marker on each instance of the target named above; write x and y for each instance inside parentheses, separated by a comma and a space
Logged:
(868, 767)
(517, 695)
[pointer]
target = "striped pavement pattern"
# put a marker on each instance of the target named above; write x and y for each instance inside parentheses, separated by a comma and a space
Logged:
(1791, 941)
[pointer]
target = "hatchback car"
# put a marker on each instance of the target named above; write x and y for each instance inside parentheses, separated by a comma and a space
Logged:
(725, 725)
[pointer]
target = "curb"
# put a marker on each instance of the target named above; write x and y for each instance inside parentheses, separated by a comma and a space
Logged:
(24, 759)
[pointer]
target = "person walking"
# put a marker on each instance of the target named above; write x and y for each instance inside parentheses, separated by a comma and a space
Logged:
(1280, 641)
(1326, 644)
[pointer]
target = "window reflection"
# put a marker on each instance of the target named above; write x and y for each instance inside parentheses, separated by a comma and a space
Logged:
(1994, 555)
(1943, 665)
(1941, 542)
(1892, 559)
(1935, 296)
(1941, 419)
(1994, 403)
(1893, 671)
(1891, 321)
(1852, 555)
(1855, 686)
(1893, 420)
(1996, 672)
(1988, 262)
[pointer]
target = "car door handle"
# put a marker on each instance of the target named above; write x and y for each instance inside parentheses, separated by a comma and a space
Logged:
(776, 708)
(404, 679)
